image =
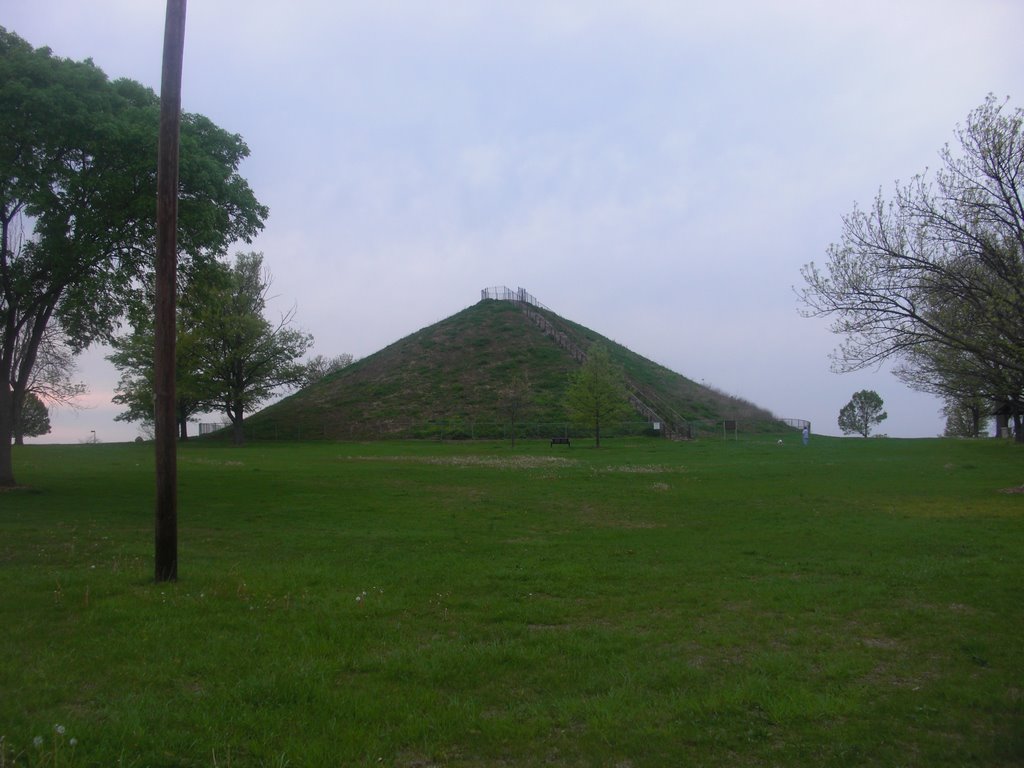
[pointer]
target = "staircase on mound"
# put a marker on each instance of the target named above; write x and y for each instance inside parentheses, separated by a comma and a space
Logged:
(641, 399)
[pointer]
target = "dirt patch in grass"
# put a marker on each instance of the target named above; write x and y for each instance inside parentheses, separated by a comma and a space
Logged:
(214, 462)
(497, 462)
(884, 643)
(642, 469)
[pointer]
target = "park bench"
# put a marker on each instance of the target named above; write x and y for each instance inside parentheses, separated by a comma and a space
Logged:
(561, 441)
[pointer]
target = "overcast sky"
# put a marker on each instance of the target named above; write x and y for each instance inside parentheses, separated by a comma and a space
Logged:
(657, 171)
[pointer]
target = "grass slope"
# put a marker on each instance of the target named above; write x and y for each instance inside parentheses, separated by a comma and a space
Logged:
(667, 390)
(446, 379)
(717, 603)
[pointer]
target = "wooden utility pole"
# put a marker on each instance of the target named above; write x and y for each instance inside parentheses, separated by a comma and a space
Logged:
(166, 294)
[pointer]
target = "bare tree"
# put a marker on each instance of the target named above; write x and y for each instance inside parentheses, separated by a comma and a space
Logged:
(51, 378)
(319, 367)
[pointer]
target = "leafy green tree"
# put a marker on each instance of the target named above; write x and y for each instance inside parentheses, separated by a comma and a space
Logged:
(229, 356)
(33, 420)
(241, 355)
(133, 357)
(863, 412)
(934, 277)
(77, 192)
(597, 393)
(966, 417)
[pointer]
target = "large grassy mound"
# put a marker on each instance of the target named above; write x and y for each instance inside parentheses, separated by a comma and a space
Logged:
(446, 380)
(417, 603)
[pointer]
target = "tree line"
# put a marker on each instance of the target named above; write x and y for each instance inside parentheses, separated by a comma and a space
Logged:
(933, 276)
(230, 357)
(77, 243)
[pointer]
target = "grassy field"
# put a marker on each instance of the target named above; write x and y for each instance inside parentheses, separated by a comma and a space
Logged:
(854, 602)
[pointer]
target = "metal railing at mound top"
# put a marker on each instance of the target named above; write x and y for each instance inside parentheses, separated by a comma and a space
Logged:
(504, 293)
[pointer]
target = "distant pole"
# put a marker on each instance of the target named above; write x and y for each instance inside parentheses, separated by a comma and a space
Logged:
(166, 269)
